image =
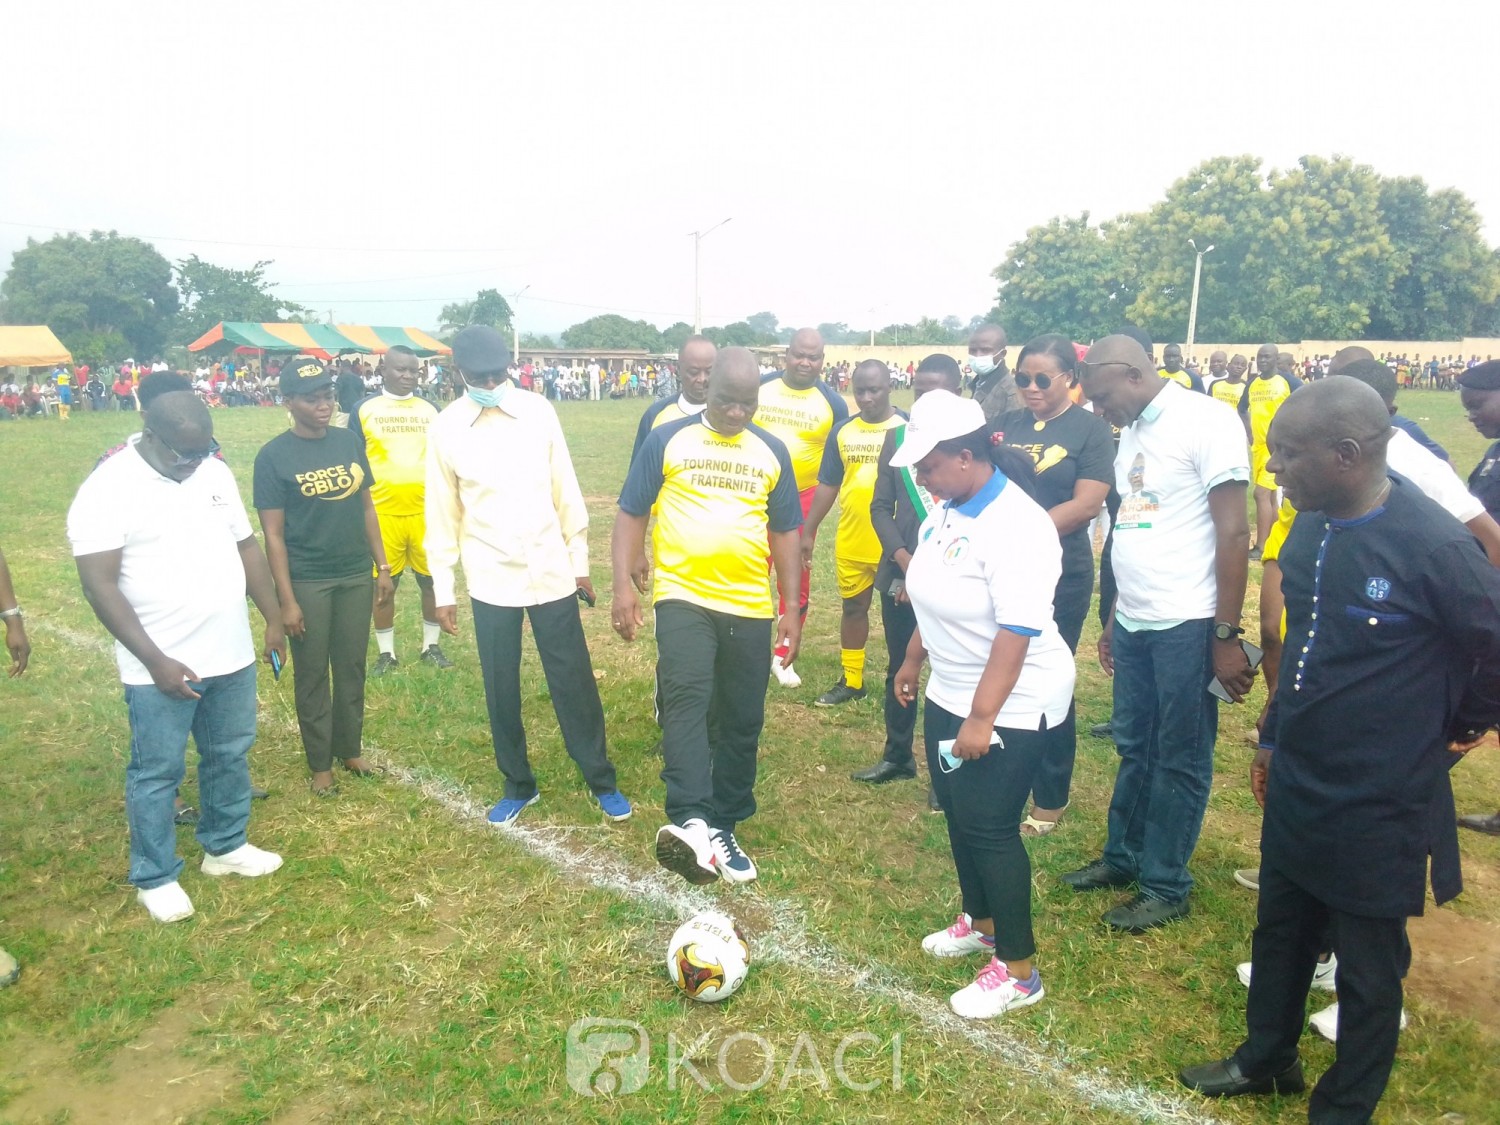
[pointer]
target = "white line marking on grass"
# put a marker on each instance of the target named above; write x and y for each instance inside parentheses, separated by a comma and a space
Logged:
(788, 941)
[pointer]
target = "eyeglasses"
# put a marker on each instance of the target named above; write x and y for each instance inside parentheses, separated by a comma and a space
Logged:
(1042, 381)
(186, 460)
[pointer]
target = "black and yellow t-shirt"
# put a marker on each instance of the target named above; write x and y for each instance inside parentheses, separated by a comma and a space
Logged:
(659, 413)
(1261, 399)
(1226, 391)
(319, 484)
(802, 420)
(715, 497)
(851, 464)
(393, 432)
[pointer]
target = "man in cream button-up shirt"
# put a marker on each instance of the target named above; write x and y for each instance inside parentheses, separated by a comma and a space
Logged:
(502, 498)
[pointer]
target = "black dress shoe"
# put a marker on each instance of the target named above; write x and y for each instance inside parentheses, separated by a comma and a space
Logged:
(1144, 913)
(884, 771)
(933, 804)
(1096, 876)
(1224, 1079)
(1481, 823)
(1102, 730)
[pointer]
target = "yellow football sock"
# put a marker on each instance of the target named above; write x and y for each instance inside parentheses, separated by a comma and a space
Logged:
(853, 660)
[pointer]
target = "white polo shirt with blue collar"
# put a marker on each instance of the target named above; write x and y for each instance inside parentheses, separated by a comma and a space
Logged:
(991, 563)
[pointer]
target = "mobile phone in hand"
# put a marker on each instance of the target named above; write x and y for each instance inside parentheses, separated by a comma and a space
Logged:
(587, 598)
(1253, 654)
(275, 665)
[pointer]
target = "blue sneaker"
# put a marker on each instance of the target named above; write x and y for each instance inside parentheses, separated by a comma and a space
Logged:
(614, 804)
(507, 810)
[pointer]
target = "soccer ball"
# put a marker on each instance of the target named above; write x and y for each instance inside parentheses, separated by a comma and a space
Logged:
(708, 956)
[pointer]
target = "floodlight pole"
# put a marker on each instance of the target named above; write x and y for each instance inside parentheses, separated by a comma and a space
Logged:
(1193, 309)
(698, 236)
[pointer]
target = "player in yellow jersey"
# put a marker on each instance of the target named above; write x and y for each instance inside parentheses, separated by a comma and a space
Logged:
(1226, 381)
(720, 488)
(1259, 401)
(695, 359)
(392, 426)
(800, 409)
(850, 464)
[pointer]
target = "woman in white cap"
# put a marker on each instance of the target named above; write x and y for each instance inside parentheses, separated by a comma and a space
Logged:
(981, 582)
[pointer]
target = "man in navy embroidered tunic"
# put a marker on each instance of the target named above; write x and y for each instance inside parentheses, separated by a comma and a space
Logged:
(1392, 656)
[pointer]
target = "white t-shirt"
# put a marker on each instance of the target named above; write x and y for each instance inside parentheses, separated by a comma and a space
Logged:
(1430, 473)
(181, 570)
(1182, 445)
(992, 562)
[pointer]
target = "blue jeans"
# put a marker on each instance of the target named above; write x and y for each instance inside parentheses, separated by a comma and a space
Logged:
(1164, 726)
(222, 723)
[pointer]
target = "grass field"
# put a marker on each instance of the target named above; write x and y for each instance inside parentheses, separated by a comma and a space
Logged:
(408, 963)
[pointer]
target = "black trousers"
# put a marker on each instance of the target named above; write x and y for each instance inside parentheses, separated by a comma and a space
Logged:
(328, 667)
(1070, 607)
(560, 643)
(711, 673)
(1108, 588)
(984, 799)
(900, 622)
(1291, 929)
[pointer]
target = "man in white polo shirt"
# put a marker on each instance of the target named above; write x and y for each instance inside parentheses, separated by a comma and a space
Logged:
(166, 555)
(1181, 544)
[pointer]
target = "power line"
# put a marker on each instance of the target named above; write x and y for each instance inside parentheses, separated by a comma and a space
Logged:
(288, 245)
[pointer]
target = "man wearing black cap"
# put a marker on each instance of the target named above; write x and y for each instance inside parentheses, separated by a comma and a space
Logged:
(502, 497)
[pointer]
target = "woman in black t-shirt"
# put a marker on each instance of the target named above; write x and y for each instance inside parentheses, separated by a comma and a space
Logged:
(1074, 456)
(312, 490)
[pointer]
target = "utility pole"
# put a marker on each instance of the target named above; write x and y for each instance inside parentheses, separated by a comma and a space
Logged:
(1193, 309)
(698, 236)
(515, 323)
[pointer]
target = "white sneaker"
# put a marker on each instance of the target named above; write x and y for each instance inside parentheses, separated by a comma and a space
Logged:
(958, 940)
(687, 851)
(785, 674)
(166, 903)
(1326, 1022)
(995, 991)
(1322, 975)
(246, 860)
(734, 865)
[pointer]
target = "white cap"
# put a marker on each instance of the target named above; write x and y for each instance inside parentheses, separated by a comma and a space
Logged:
(937, 416)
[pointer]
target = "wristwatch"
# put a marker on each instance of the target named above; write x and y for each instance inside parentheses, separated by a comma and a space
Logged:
(1223, 631)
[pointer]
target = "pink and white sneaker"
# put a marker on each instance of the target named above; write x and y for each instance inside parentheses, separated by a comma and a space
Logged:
(995, 991)
(958, 940)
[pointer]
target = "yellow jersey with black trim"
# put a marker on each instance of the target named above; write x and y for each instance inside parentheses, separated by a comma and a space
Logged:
(659, 413)
(851, 464)
(716, 497)
(1226, 391)
(802, 420)
(1261, 399)
(393, 433)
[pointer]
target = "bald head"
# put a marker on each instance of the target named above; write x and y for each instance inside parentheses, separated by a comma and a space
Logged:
(179, 414)
(1218, 364)
(804, 359)
(733, 390)
(1345, 356)
(1328, 445)
(695, 359)
(1120, 378)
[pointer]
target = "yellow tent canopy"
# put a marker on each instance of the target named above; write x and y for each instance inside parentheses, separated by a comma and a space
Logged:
(30, 345)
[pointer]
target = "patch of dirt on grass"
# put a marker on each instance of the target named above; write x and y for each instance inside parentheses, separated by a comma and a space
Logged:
(148, 1080)
(1456, 965)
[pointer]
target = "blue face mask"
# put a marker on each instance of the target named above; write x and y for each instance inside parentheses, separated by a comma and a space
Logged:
(489, 396)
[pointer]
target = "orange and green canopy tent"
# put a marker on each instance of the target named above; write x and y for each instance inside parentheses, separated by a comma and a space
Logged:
(378, 340)
(313, 339)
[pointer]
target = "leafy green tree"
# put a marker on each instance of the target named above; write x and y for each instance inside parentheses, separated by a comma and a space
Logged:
(613, 331)
(1448, 273)
(213, 293)
(487, 307)
(675, 335)
(737, 335)
(837, 332)
(763, 324)
(532, 340)
(93, 292)
(1065, 276)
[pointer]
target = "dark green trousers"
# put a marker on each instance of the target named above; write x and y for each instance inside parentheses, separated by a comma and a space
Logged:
(328, 666)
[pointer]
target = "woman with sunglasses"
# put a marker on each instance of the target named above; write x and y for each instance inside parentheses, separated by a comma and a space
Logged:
(312, 491)
(1074, 456)
(980, 583)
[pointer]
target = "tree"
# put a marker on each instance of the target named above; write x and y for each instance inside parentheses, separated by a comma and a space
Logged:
(1448, 274)
(487, 307)
(613, 331)
(1065, 276)
(838, 333)
(763, 325)
(532, 340)
(213, 293)
(94, 292)
(675, 335)
(737, 335)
